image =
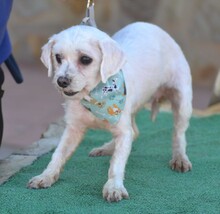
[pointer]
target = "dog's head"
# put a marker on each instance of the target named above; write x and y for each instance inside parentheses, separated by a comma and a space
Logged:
(80, 57)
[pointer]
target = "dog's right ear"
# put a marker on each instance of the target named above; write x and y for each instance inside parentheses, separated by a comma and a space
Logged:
(46, 56)
(113, 59)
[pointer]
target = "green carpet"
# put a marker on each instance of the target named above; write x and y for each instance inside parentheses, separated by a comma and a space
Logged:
(152, 186)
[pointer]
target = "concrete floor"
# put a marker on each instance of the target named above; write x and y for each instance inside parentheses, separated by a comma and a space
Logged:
(30, 107)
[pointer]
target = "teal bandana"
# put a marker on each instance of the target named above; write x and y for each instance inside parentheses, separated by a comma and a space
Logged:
(107, 100)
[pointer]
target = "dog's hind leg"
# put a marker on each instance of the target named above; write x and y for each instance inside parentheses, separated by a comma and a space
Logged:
(181, 101)
(106, 150)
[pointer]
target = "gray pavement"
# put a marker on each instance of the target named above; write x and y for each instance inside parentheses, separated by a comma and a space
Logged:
(25, 156)
(28, 108)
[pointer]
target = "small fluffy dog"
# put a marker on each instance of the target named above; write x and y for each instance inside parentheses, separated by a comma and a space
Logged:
(153, 67)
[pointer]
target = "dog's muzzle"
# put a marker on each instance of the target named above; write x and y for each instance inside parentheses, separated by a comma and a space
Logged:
(70, 93)
(64, 82)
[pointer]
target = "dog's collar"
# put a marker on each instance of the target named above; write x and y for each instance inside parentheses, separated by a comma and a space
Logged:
(107, 100)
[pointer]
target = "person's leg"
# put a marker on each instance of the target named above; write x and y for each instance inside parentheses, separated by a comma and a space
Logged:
(1, 95)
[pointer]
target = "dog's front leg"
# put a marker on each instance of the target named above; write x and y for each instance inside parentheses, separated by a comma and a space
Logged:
(114, 189)
(68, 144)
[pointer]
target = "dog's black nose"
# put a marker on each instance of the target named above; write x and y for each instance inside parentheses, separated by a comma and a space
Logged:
(63, 82)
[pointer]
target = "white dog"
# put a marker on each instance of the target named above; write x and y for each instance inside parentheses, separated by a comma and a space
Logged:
(153, 66)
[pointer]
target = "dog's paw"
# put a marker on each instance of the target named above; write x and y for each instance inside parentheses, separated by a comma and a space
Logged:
(181, 164)
(97, 152)
(41, 181)
(113, 193)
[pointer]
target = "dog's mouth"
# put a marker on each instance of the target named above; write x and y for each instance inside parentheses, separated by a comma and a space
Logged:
(70, 93)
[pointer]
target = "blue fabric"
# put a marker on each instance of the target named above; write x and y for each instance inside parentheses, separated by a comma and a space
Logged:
(107, 100)
(5, 44)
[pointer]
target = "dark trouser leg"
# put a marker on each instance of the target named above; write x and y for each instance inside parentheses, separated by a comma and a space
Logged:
(1, 95)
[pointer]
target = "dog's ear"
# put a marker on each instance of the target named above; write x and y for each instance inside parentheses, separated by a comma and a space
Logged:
(113, 59)
(46, 56)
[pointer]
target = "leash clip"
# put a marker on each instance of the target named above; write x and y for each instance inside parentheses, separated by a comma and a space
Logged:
(89, 19)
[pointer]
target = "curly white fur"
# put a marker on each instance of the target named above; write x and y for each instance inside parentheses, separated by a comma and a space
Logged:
(154, 68)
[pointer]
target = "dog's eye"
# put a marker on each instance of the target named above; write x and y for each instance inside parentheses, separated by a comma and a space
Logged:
(58, 58)
(85, 60)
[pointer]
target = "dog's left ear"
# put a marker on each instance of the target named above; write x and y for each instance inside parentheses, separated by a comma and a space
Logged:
(113, 59)
(46, 56)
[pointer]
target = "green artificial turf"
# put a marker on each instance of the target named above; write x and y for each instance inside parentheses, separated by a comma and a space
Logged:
(152, 186)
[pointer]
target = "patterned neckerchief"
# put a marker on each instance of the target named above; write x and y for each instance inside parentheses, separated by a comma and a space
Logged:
(107, 100)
